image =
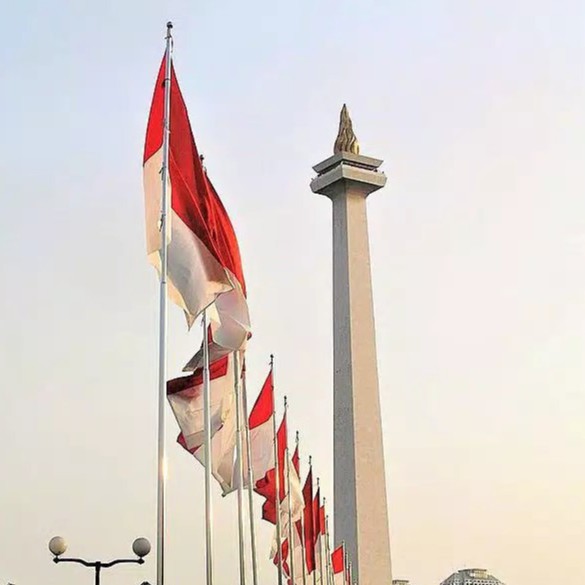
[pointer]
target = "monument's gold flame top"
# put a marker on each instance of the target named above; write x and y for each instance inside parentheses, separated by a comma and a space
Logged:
(346, 140)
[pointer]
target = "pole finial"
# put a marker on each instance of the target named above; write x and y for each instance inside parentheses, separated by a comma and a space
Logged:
(285, 402)
(346, 140)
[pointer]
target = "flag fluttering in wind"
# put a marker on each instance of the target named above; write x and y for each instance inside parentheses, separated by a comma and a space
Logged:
(308, 522)
(185, 395)
(261, 425)
(266, 486)
(204, 264)
(338, 565)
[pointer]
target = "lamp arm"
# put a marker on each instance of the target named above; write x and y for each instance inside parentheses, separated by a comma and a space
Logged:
(138, 561)
(72, 560)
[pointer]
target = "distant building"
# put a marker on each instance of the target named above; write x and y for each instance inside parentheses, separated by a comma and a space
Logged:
(471, 577)
(400, 582)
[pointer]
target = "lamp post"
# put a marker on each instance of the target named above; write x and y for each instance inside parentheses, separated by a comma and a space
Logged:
(58, 546)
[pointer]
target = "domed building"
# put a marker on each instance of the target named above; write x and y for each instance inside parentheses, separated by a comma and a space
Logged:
(471, 577)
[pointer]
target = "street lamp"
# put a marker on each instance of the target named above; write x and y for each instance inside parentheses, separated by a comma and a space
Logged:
(58, 546)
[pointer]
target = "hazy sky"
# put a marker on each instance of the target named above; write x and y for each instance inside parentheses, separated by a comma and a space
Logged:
(478, 253)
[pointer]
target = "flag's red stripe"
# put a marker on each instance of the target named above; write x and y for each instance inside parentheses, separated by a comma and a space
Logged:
(308, 520)
(194, 198)
(216, 370)
(337, 559)
(264, 405)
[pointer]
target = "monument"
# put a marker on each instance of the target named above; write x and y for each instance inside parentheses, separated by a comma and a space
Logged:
(360, 503)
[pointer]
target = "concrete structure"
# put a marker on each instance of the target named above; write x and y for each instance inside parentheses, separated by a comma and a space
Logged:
(471, 577)
(361, 513)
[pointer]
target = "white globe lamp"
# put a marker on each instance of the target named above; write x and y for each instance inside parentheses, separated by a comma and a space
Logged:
(141, 547)
(57, 545)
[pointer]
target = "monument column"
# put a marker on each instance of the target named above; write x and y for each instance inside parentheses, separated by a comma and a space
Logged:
(360, 503)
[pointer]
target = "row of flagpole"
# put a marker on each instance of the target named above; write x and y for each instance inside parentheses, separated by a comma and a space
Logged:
(244, 471)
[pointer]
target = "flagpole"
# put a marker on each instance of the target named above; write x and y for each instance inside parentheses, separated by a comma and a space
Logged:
(289, 503)
(250, 480)
(302, 536)
(277, 473)
(327, 551)
(162, 352)
(207, 452)
(240, 470)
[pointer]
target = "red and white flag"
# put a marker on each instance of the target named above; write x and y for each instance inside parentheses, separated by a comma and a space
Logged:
(338, 565)
(204, 264)
(261, 425)
(266, 486)
(318, 533)
(185, 395)
(308, 522)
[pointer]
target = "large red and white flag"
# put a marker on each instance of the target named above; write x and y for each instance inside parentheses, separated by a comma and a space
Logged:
(338, 565)
(204, 264)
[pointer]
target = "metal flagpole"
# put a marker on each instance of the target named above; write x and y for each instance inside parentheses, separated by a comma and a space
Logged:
(207, 452)
(304, 550)
(345, 565)
(162, 352)
(277, 473)
(328, 551)
(240, 470)
(250, 480)
(289, 504)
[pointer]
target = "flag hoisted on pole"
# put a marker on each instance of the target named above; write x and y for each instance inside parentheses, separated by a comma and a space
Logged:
(192, 244)
(240, 470)
(308, 524)
(250, 478)
(207, 450)
(300, 522)
(328, 551)
(318, 533)
(277, 488)
(338, 565)
(157, 181)
(291, 526)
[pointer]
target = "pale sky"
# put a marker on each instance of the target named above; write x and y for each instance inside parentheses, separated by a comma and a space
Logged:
(478, 256)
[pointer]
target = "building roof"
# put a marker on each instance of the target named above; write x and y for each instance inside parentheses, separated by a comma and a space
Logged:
(471, 577)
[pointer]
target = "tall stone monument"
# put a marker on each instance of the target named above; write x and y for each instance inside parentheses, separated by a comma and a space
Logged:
(361, 511)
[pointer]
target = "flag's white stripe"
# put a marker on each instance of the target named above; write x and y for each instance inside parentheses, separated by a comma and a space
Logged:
(262, 444)
(223, 446)
(187, 406)
(196, 278)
